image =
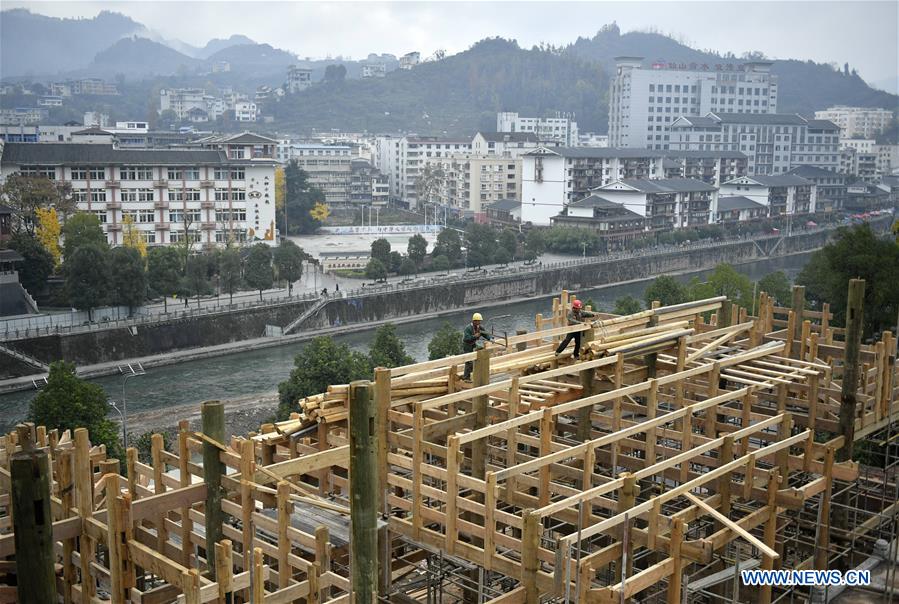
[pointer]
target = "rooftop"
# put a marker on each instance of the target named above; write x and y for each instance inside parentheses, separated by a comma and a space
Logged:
(777, 119)
(596, 201)
(630, 153)
(665, 185)
(780, 180)
(107, 155)
(509, 137)
(505, 205)
(737, 202)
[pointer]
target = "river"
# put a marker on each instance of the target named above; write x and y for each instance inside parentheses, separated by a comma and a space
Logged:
(248, 375)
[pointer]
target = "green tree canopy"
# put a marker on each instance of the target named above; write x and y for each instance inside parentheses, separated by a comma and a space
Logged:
(380, 250)
(300, 196)
(387, 350)
(480, 240)
(417, 249)
(38, 264)
(534, 245)
(407, 267)
(508, 240)
(666, 290)
(856, 253)
(163, 271)
(196, 277)
(88, 277)
(725, 280)
(375, 270)
(394, 260)
(440, 263)
(502, 256)
(321, 362)
(777, 285)
(449, 244)
(68, 402)
(258, 272)
(24, 195)
(288, 259)
(128, 279)
(447, 342)
(230, 271)
(571, 240)
(82, 229)
(627, 305)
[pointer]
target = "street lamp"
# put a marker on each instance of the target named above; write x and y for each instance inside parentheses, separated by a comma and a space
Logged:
(128, 371)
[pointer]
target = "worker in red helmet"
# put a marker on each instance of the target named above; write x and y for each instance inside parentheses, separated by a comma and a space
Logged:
(576, 316)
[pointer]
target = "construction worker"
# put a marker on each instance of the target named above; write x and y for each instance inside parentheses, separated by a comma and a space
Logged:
(471, 339)
(576, 316)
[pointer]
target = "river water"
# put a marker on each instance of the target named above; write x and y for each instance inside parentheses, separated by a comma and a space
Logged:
(246, 374)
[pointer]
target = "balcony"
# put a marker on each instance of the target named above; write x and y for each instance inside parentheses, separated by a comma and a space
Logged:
(161, 184)
(207, 184)
(162, 226)
(208, 226)
(161, 204)
(207, 205)
(113, 184)
(113, 205)
(113, 227)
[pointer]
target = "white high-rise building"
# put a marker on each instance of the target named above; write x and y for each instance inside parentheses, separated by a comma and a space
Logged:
(857, 122)
(298, 78)
(561, 128)
(403, 158)
(643, 102)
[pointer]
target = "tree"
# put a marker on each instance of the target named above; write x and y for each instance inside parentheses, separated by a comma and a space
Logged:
(335, 73)
(375, 270)
(856, 252)
(24, 195)
(407, 267)
(320, 212)
(380, 250)
(87, 277)
(387, 350)
(725, 280)
(394, 260)
(38, 262)
(163, 272)
(447, 342)
(300, 198)
(196, 276)
(777, 285)
(67, 402)
(230, 271)
(666, 290)
(480, 240)
(258, 272)
(321, 363)
(534, 245)
(428, 183)
(449, 244)
(571, 240)
(502, 256)
(288, 259)
(48, 232)
(509, 241)
(131, 236)
(128, 279)
(440, 263)
(280, 192)
(627, 305)
(82, 229)
(417, 249)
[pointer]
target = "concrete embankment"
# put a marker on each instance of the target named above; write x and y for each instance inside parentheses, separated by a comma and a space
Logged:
(98, 352)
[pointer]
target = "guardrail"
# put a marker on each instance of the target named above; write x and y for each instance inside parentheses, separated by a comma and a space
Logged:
(13, 329)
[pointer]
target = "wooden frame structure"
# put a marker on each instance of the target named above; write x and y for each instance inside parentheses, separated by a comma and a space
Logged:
(683, 432)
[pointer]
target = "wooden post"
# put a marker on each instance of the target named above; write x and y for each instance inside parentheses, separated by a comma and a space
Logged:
(114, 541)
(479, 405)
(258, 576)
(382, 402)
(770, 532)
(676, 540)
(184, 481)
(822, 543)
(84, 495)
(652, 358)
(798, 311)
(521, 345)
(855, 309)
(225, 574)
(530, 543)
(584, 423)
(66, 497)
(285, 509)
(363, 494)
(724, 313)
(32, 522)
(213, 414)
(157, 446)
(322, 557)
(247, 502)
(627, 497)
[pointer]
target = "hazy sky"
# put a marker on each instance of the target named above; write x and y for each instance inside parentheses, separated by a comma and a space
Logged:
(860, 32)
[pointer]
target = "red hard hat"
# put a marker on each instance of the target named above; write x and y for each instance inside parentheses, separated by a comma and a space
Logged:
(576, 304)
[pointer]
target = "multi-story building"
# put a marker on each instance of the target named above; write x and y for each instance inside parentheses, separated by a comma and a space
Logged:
(503, 144)
(298, 78)
(664, 203)
(774, 143)
(49, 101)
(245, 111)
(592, 139)
(402, 159)
(782, 195)
(559, 128)
(862, 145)
(24, 115)
(887, 159)
(737, 208)
(218, 192)
(553, 178)
(181, 101)
(859, 164)
(96, 118)
(857, 122)
(94, 86)
(469, 182)
(644, 102)
(367, 186)
(614, 223)
(830, 187)
(329, 169)
(374, 70)
(410, 60)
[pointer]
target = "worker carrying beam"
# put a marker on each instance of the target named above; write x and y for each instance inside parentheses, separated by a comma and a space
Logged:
(471, 339)
(576, 316)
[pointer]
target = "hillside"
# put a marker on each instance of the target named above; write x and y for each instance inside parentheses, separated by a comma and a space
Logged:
(456, 95)
(140, 57)
(217, 44)
(255, 58)
(35, 44)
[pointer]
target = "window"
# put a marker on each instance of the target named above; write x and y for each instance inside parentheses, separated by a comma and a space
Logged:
(101, 215)
(98, 196)
(136, 195)
(180, 235)
(652, 87)
(148, 236)
(184, 173)
(235, 173)
(179, 216)
(88, 173)
(79, 195)
(45, 171)
(237, 215)
(184, 195)
(146, 216)
(135, 173)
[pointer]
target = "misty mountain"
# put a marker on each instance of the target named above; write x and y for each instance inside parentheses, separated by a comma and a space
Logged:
(140, 57)
(256, 58)
(218, 44)
(36, 44)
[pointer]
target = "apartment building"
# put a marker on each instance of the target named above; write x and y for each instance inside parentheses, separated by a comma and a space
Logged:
(559, 128)
(774, 143)
(410, 60)
(469, 182)
(643, 101)
(374, 70)
(614, 223)
(222, 190)
(367, 186)
(503, 144)
(185, 102)
(24, 115)
(781, 195)
(859, 164)
(329, 169)
(245, 111)
(298, 78)
(857, 122)
(554, 178)
(830, 187)
(402, 159)
(664, 203)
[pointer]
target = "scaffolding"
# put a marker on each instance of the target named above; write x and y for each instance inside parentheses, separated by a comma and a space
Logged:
(687, 443)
